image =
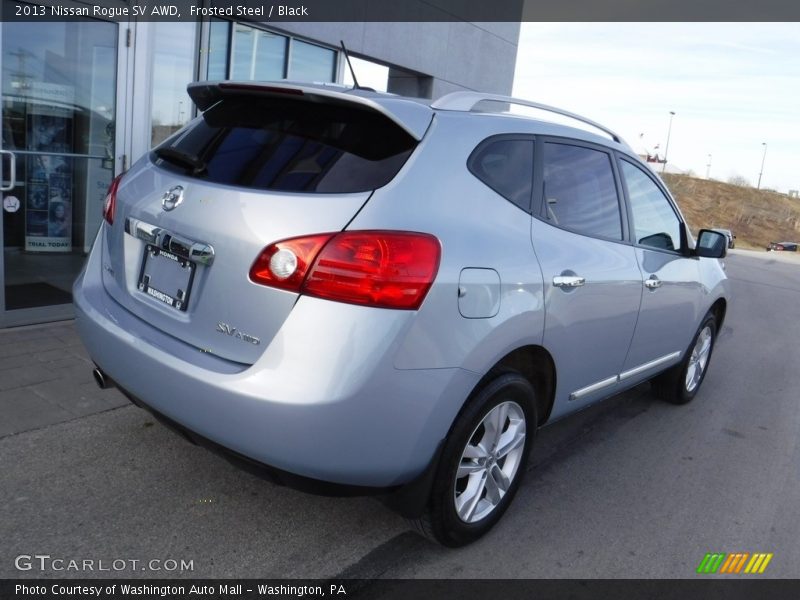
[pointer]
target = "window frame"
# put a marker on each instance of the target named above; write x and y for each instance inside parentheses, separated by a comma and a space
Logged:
(684, 242)
(505, 137)
(539, 211)
(291, 38)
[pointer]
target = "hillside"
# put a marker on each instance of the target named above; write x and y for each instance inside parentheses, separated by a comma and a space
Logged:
(755, 217)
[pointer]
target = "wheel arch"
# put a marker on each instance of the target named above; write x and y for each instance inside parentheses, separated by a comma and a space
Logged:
(719, 310)
(532, 362)
(536, 365)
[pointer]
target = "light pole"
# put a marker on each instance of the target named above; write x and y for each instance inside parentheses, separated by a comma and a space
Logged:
(666, 149)
(708, 166)
(763, 158)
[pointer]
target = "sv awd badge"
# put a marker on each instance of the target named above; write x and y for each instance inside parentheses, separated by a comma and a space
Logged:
(239, 335)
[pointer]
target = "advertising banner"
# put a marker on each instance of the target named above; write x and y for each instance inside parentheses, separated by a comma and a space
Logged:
(49, 180)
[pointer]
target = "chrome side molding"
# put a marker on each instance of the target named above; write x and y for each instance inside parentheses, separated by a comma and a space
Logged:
(590, 389)
(648, 365)
(593, 388)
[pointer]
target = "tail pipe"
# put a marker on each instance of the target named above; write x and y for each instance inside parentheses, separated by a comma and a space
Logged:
(102, 380)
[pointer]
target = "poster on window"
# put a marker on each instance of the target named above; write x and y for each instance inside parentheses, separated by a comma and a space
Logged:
(49, 177)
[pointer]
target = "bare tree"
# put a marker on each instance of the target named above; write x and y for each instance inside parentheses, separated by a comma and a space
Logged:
(739, 180)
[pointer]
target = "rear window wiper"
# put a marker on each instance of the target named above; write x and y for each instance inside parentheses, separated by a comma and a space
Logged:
(183, 159)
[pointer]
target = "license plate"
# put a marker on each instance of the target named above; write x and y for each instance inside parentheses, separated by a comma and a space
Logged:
(166, 277)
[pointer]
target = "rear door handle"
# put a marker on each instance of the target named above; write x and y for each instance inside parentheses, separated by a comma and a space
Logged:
(568, 281)
(653, 283)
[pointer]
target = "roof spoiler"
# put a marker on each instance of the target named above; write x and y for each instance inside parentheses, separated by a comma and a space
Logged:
(413, 117)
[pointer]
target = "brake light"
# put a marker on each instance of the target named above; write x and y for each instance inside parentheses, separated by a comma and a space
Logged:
(110, 203)
(385, 269)
(249, 87)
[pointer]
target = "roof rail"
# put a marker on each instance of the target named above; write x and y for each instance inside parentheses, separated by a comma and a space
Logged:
(466, 101)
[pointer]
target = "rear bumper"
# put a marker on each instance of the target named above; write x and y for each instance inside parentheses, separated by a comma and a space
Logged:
(409, 499)
(323, 403)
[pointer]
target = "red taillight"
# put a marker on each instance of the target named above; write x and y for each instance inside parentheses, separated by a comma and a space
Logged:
(110, 203)
(386, 269)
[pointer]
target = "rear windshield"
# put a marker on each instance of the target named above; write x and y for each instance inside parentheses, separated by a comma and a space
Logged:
(288, 145)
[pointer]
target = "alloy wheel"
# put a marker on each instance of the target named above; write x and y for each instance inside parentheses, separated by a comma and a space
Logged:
(698, 359)
(489, 462)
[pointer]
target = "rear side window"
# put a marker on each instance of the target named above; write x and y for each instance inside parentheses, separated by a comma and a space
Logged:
(579, 191)
(506, 166)
(288, 145)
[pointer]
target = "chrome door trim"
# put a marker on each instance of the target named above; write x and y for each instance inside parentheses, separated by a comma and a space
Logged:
(568, 281)
(589, 389)
(649, 365)
(653, 282)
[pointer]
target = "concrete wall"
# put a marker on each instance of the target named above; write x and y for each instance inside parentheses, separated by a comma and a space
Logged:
(444, 56)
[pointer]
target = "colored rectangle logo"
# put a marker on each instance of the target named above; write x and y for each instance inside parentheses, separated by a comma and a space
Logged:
(735, 563)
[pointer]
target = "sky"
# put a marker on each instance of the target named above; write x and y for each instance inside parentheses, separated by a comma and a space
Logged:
(369, 74)
(732, 87)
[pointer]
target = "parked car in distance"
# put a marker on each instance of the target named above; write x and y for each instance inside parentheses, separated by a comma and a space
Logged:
(360, 293)
(782, 246)
(729, 236)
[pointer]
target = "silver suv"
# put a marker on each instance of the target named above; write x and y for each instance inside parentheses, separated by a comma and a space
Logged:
(360, 293)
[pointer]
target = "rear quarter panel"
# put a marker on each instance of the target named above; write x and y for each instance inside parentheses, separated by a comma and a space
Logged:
(435, 193)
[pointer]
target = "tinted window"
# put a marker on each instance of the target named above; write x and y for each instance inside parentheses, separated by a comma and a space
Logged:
(506, 166)
(579, 191)
(288, 145)
(654, 221)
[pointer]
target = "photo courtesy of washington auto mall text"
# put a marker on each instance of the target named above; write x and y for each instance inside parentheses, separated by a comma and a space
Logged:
(165, 589)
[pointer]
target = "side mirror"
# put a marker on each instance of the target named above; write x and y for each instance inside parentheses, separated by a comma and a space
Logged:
(711, 244)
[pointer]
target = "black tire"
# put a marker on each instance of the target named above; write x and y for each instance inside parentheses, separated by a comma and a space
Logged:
(674, 386)
(441, 522)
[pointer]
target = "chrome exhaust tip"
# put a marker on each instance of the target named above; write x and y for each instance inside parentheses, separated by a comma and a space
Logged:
(102, 380)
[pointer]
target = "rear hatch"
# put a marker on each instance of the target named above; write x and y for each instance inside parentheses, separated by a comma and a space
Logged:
(263, 163)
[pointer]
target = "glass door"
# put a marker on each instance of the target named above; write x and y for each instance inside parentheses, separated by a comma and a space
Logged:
(59, 115)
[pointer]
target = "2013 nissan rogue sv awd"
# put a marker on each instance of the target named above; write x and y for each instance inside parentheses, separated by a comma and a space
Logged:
(364, 293)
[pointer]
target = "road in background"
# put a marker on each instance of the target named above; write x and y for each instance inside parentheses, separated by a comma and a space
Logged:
(627, 489)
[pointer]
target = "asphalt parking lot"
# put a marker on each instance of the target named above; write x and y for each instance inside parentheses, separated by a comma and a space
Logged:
(631, 488)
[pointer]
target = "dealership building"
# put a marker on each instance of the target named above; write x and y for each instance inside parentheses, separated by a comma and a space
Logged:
(84, 99)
